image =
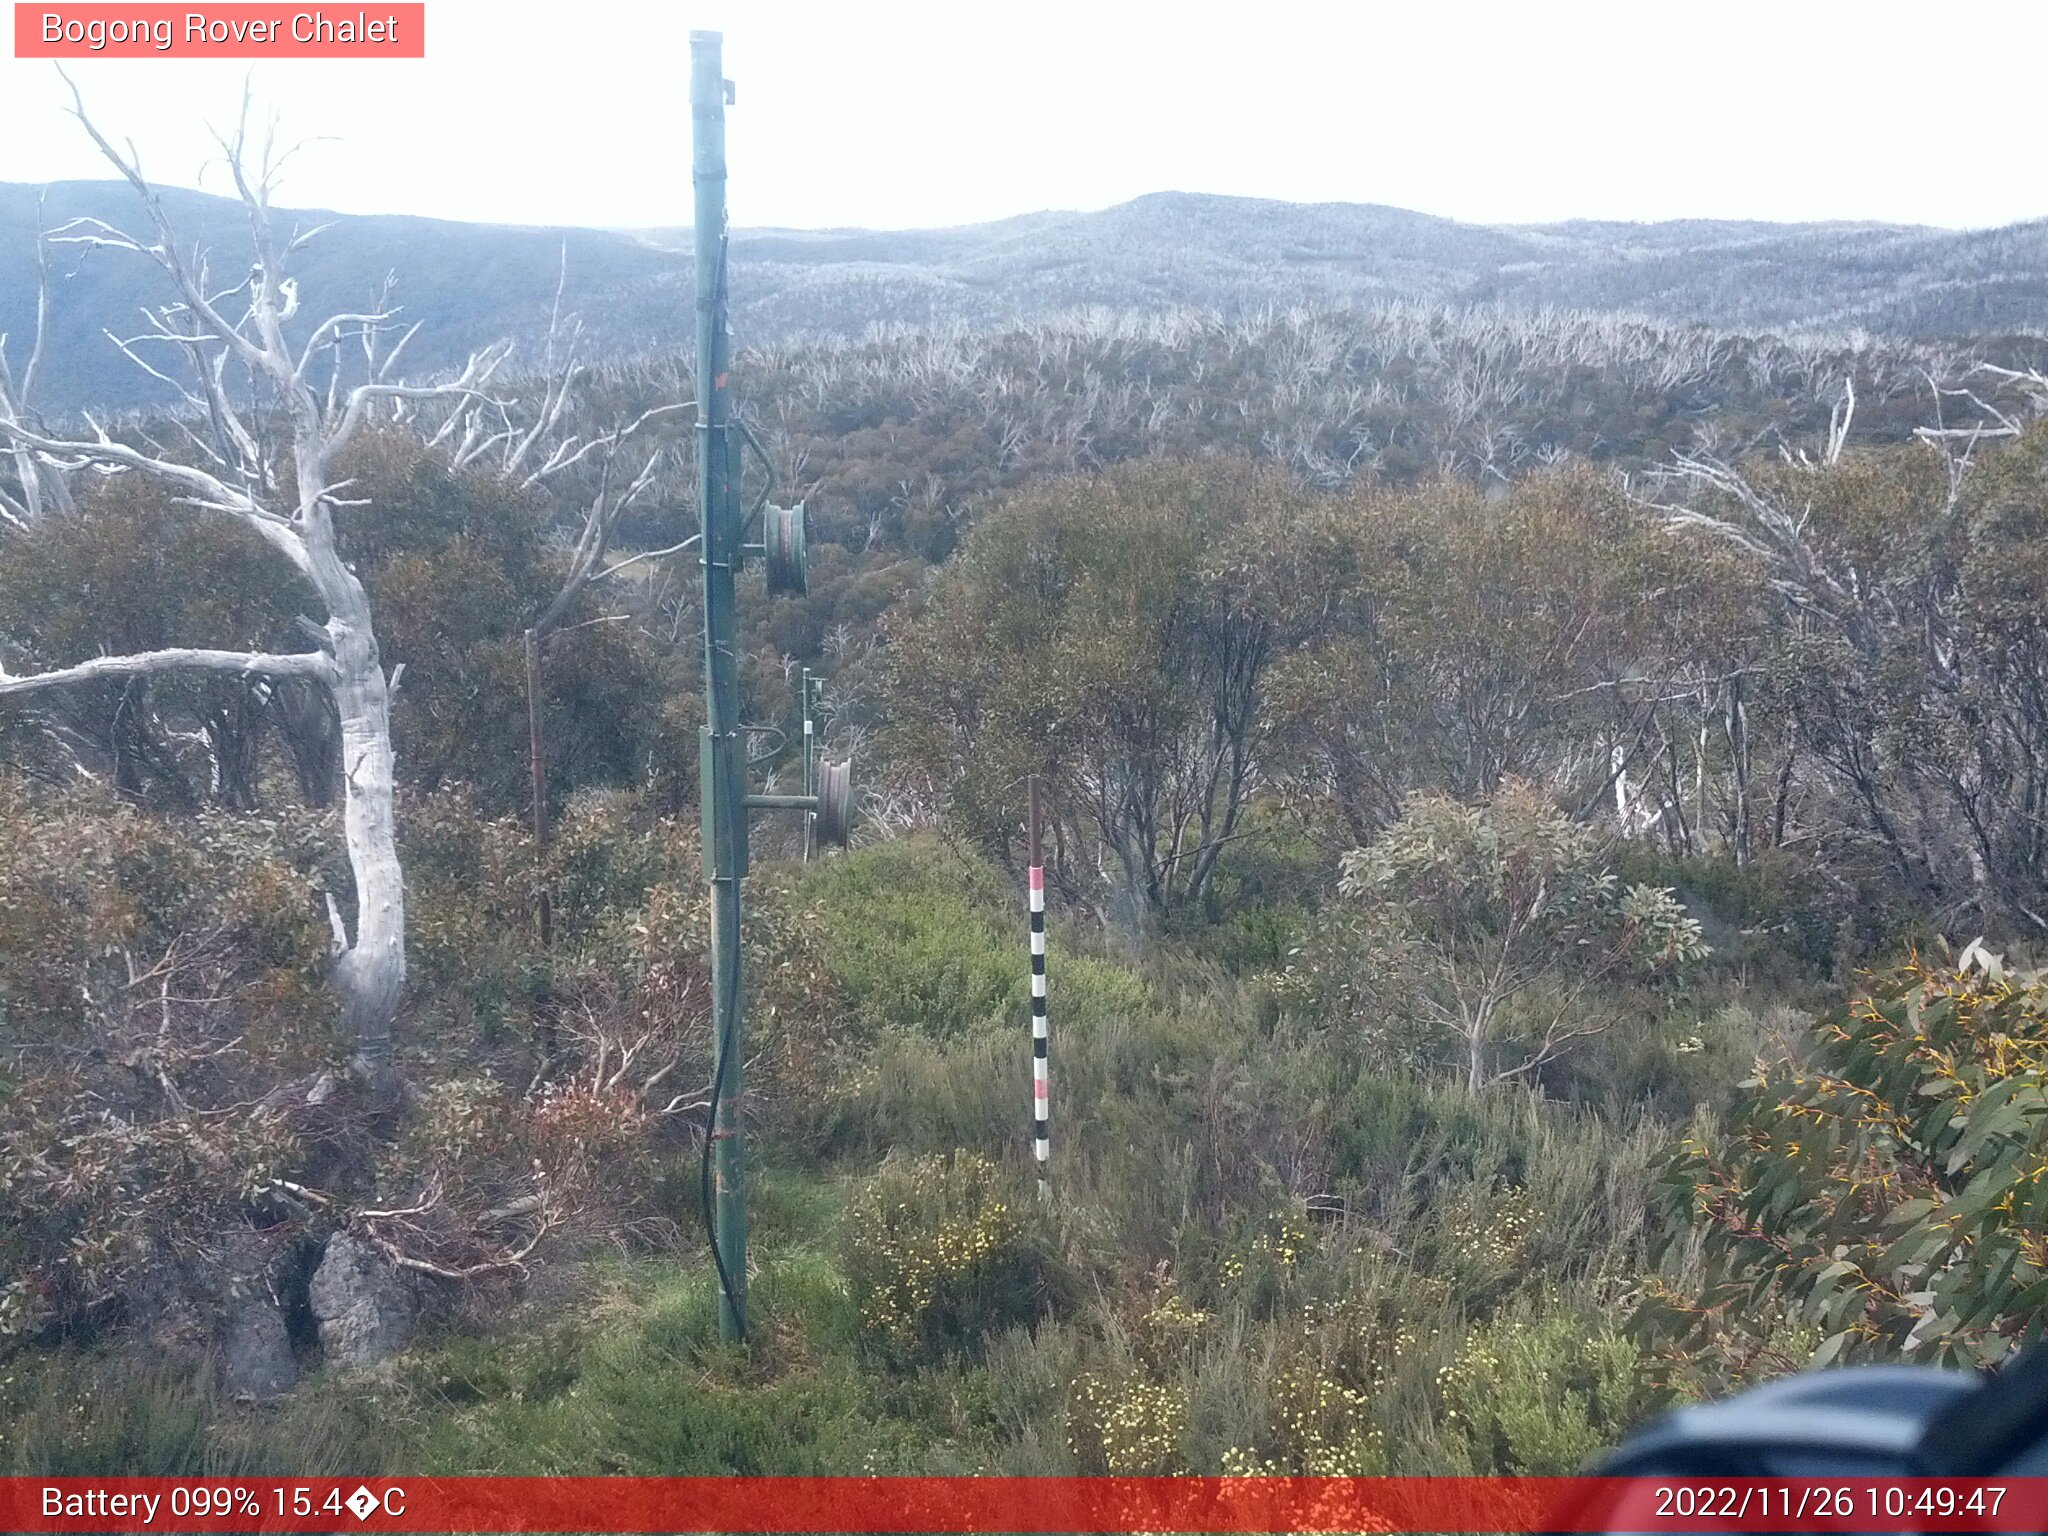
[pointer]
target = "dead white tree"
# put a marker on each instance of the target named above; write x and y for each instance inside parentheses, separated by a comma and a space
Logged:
(35, 484)
(287, 496)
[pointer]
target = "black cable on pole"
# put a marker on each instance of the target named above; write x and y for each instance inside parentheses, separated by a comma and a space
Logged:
(724, 1048)
(725, 1015)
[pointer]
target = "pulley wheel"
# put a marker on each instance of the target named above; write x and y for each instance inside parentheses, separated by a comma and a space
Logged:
(782, 536)
(835, 803)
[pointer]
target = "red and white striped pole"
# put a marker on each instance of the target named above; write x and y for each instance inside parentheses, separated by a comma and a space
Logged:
(1041, 1038)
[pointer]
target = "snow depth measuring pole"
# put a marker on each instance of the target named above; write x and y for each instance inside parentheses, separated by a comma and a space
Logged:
(722, 798)
(1041, 1032)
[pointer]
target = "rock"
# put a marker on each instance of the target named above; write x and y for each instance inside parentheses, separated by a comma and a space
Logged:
(256, 1350)
(363, 1304)
(219, 1302)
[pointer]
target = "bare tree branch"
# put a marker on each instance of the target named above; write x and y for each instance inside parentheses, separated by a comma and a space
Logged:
(146, 663)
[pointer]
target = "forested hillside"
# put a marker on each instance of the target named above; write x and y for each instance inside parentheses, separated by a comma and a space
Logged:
(1509, 771)
(1149, 257)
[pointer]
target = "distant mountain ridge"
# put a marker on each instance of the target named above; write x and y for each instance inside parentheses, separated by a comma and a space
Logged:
(472, 283)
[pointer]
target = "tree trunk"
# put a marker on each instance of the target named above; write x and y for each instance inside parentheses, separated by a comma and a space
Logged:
(304, 710)
(370, 972)
(1738, 758)
(233, 720)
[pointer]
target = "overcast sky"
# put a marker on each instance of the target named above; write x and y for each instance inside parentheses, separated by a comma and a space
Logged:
(890, 113)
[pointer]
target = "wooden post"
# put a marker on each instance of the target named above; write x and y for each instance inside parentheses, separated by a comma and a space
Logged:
(538, 770)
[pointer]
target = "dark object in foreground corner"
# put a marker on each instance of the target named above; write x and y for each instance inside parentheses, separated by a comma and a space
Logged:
(1859, 1420)
(1879, 1421)
(1865, 1421)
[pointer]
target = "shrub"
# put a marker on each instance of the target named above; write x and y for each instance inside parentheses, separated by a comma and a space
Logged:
(1262, 897)
(904, 1093)
(1888, 1191)
(1087, 990)
(607, 854)
(472, 957)
(1482, 1240)
(1127, 1426)
(1771, 917)
(148, 970)
(1270, 1262)
(939, 1256)
(1487, 937)
(1320, 1427)
(912, 936)
(1168, 1331)
(1539, 1397)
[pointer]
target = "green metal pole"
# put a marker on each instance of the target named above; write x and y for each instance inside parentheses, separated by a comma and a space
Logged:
(723, 789)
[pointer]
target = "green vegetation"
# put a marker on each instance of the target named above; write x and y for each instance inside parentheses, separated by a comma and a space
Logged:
(1885, 1193)
(1491, 926)
(1492, 932)
(1175, 1306)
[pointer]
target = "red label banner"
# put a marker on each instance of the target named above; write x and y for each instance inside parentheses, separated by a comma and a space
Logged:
(226, 31)
(1023, 1504)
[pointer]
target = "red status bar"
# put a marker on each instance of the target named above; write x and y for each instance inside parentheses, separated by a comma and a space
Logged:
(1023, 1505)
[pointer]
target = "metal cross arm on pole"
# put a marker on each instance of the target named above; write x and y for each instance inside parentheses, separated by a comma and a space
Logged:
(831, 804)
